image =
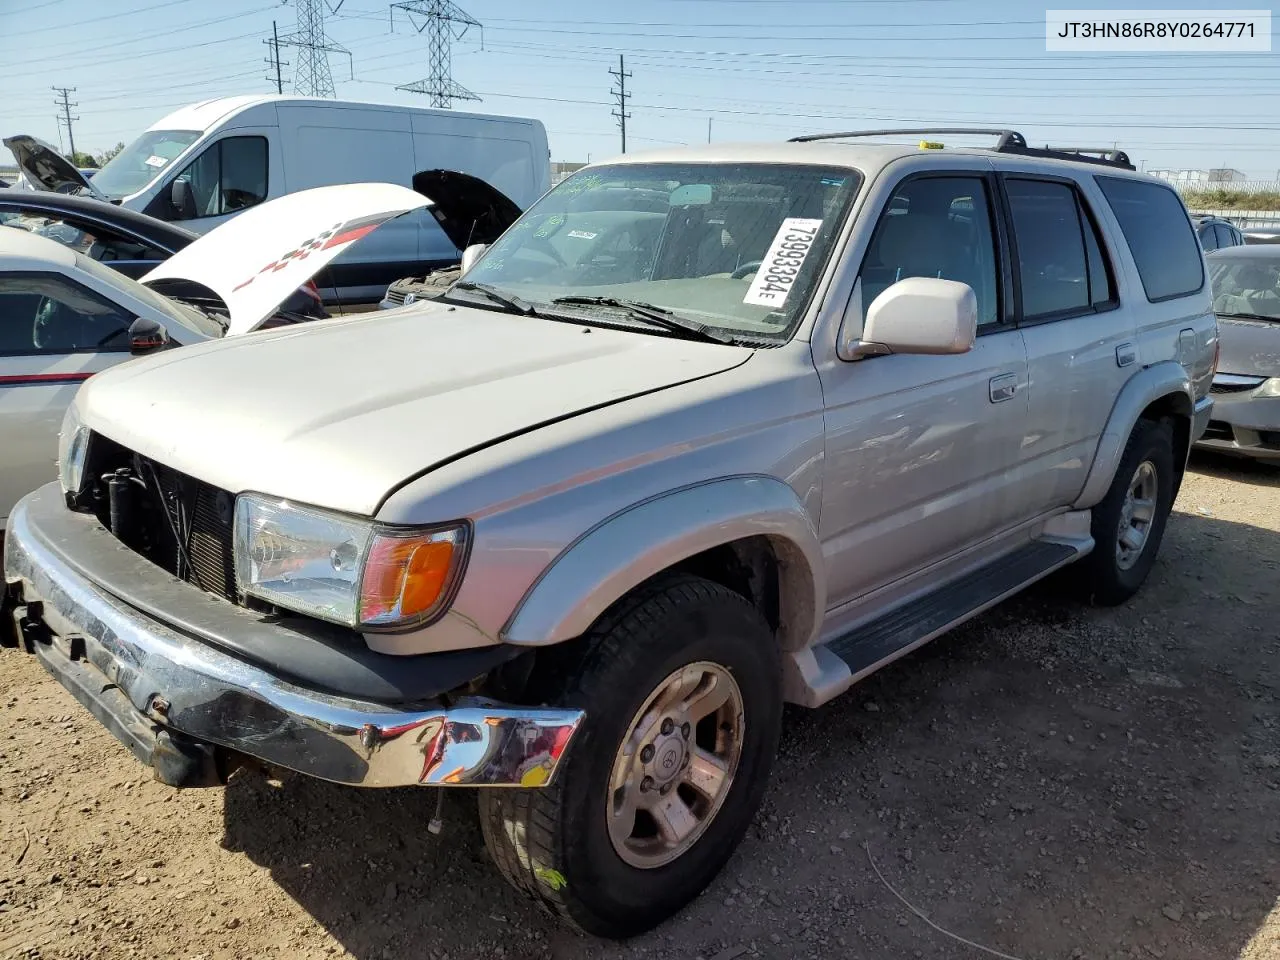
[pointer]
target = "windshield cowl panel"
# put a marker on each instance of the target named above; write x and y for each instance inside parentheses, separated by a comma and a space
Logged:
(735, 248)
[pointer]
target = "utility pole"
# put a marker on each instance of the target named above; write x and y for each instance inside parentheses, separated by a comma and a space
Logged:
(621, 76)
(274, 60)
(313, 77)
(444, 22)
(66, 105)
(708, 129)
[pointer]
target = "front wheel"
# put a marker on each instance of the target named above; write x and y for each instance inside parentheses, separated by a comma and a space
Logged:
(681, 688)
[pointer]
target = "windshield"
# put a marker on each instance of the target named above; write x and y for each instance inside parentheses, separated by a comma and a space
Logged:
(138, 164)
(180, 313)
(735, 247)
(1246, 286)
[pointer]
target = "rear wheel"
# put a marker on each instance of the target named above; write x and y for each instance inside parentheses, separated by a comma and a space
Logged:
(1128, 525)
(681, 688)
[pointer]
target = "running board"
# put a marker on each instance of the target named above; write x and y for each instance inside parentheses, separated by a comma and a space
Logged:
(898, 632)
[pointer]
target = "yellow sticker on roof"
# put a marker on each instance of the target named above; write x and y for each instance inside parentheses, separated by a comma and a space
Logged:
(930, 145)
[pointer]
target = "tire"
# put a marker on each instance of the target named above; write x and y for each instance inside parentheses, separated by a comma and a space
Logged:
(555, 843)
(1110, 575)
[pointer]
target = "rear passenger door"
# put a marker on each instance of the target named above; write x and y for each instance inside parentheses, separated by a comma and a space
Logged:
(1080, 340)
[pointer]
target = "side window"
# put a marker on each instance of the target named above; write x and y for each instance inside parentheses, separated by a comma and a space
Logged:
(1208, 239)
(1155, 226)
(935, 227)
(229, 175)
(1225, 234)
(94, 241)
(1102, 286)
(1051, 259)
(44, 313)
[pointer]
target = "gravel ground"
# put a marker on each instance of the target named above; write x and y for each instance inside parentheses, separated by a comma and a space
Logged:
(1049, 781)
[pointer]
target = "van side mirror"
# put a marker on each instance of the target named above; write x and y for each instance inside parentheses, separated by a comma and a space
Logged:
(922, 315)
(472, 254)
(147, 335)
(181, 200)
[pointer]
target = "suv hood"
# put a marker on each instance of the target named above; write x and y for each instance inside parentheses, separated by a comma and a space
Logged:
(45, 168)
(468, 209)
(256, 260)
(340, 412)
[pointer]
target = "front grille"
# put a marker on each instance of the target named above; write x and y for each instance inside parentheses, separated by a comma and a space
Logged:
(394, 296)
(1232, 387)
(181, 524)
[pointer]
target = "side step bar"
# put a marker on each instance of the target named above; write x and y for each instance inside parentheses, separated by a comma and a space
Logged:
(900, 631)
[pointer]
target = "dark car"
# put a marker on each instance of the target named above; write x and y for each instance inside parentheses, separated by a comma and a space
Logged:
(1216, 233)
(130, 242)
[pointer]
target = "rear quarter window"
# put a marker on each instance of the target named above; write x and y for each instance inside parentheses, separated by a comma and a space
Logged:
(1160, 236)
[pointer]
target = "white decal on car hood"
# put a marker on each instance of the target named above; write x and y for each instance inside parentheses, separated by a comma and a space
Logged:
(256, 260)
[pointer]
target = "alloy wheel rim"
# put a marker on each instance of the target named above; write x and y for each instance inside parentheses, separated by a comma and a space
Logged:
(1137, 514)
(676, 765)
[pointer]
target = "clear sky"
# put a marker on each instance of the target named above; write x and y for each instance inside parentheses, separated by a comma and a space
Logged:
(756, 69)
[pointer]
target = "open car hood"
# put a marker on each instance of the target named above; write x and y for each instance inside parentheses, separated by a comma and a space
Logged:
(45, 168)
(256, 260)
(468, 209)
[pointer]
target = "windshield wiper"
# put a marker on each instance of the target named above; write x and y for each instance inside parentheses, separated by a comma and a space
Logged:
(649, 313)
(1250, 316)
(494, 295)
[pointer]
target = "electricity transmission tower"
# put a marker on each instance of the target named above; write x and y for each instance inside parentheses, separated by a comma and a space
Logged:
(444, 22)
(621, 75)
(274, 60)
(65, 117)
(311, 76)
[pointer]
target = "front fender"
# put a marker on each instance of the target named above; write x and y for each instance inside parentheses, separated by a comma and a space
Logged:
(1167, 378)
(628, 548)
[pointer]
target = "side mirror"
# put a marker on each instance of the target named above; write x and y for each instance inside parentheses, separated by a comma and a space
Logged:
(472, 254)
(920, 315)
(146, 335)
(180, 198)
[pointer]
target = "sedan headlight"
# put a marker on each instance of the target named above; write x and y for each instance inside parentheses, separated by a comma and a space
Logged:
(1268, 388)
(73, 443)
(346, 570)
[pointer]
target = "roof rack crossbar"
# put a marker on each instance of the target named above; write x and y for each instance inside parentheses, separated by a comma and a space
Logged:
(1008, 141)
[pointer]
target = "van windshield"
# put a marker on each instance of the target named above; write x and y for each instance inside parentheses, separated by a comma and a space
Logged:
(735, 247)
(139, 163)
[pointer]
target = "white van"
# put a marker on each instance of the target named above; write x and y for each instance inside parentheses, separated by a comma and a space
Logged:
(204, 163)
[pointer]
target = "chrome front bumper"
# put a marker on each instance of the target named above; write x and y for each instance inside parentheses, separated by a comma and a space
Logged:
(171, 698)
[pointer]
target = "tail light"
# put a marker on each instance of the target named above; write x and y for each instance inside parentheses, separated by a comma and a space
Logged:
(1217, 349)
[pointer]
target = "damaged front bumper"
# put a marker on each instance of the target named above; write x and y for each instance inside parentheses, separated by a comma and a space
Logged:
(192, 710)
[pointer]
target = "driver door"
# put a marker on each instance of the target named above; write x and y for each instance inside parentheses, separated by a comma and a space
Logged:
(54, 335)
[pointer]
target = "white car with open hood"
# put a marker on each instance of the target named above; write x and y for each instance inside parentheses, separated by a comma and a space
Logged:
(65, 317)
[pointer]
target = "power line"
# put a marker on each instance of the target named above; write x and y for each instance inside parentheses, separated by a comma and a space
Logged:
(66, 118)
(621, 113)
(274, 60)
(313, 77)
(444, 22)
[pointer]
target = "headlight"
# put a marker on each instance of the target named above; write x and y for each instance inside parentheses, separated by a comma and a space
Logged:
(343, 569)
(73, 442)
(1268, 388)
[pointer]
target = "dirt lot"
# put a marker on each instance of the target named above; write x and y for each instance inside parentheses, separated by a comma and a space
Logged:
(1051, 781)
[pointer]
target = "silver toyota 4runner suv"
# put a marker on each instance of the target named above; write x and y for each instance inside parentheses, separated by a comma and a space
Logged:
(704, 432)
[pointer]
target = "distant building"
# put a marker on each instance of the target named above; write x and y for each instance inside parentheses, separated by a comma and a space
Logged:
(1216, 175)
(560, 170)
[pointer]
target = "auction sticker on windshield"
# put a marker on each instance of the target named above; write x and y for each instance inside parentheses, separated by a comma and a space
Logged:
(781, 264)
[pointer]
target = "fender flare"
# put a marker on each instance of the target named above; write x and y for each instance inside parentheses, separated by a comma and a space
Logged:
(1167, 378)
(641, 541)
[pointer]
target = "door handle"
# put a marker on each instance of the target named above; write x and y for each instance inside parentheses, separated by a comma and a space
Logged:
(1004, 387)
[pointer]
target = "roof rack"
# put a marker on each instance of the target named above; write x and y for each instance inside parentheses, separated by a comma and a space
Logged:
(1009, 141)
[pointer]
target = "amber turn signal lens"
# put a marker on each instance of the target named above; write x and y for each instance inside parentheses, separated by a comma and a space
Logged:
(406, 577)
